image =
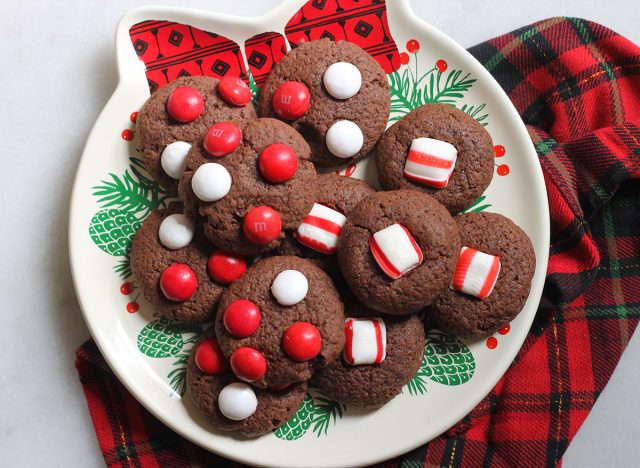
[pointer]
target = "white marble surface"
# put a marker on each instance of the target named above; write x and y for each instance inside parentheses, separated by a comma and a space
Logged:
(58, 71)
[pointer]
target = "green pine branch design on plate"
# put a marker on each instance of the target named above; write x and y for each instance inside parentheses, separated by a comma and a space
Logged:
(477, 206)
(125, 200)
(410, 90)
(161, 339)
(318, 413)
(446, 360)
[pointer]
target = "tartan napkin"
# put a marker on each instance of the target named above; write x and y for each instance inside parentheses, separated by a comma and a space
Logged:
(576, 84)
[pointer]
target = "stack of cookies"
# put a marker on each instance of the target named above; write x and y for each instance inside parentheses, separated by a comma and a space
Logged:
(310, 278)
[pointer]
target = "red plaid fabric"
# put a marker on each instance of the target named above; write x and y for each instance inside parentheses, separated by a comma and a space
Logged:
(577, 86)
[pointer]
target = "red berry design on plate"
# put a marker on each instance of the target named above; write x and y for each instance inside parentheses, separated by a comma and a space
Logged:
(127, 135)
(404, 58)
(209, 357)
(133, 117)
(178, 282)
(221, 139)
(126, 288)
(442, 66)
(241, 318)
(133, 307)
(248, 364)
(302, 341)
(234, 91)
(503, 170)
(413, 46)
(291, 100)
(225, 268)
(499, 151)
(278, 163)
(504, 330)
(262, 225)
(492, 342)
(185, 104)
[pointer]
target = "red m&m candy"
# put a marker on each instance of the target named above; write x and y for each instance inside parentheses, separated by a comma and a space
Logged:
(225, 268)
(241, 318)
(234, 91)
(248, 364)
(185, 104)
(278, 163)
(209, 357)
(291, 100)
(262, 225)
(221, 139)
(302, 341)
(178, 282)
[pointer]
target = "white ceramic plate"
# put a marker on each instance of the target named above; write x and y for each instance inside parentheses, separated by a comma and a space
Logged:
(112, 195)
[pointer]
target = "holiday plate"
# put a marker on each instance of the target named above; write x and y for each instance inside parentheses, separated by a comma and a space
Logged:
(113, 194)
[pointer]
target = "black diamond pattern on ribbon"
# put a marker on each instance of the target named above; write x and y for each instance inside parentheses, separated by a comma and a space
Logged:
(175, 38)
(319, 4)
(363, 29)
(327, 35)
(220, 67)
(140, 47)
(257, 59)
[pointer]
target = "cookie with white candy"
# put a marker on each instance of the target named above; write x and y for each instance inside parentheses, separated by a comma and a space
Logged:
(381, 354)
(492, 279)
(179, 114)
(176, 270)
(335, 94)
(280, 321)
(230, 404)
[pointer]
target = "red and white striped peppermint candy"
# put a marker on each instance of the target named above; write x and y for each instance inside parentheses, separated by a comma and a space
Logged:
(321, 228)
(395, 250)
(476, 273)
(430, 162)
(366, 341)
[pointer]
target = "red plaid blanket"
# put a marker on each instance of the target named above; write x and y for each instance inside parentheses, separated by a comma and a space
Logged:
(577, 86)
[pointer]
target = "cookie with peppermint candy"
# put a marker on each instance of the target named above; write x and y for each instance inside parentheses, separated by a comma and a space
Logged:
(335, 94)
(439, 150)
(280, 321)
(176, 268)
(250, 183)
(230, 404)
(398, 250)
(492, 278)
(180, 113)
(381, 354)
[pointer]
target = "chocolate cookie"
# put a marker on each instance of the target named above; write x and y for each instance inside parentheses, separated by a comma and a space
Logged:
(231, 405)
(440, 151)
(398, 251)
(492, 278)
(316, 238)
(169, 263)
(381, 355)
(247, 199)
(335, 94)
(157, 128)
(280, 321)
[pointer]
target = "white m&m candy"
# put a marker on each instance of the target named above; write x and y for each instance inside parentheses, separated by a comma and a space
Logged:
(176, 231)
(395, 250)
(344, 139)
(430, 162)
(342, 80)
(366, 341)
(237, 401)
(476, 273)
(289, 287)
(211, 182)
(174, 158)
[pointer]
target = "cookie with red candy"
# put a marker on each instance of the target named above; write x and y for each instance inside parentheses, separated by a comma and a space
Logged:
(181, 113)
(335, 94)
(280, 321)
(171, 262)
(249, 197)
(229, 404)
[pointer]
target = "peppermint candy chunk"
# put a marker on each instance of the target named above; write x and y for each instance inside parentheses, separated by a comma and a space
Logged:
(395, 250)
(321, 228)
(430, 162)
(476, 273)
(366, 341)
